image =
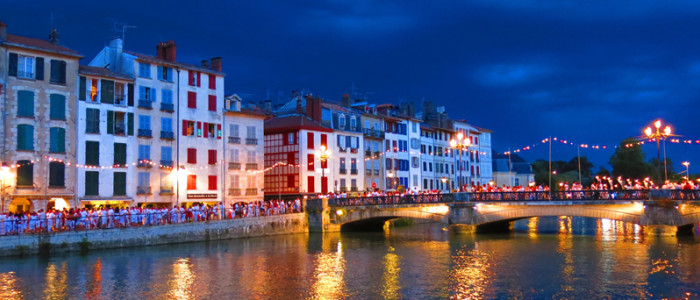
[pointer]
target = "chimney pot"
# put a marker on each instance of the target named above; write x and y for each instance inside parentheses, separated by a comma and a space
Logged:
(160, 50)
(216, 64)
(205, 63)
(3, 31)
(171, 51)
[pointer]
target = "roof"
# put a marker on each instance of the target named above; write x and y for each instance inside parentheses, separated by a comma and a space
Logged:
(248, 112)
(518, 164)
(293, 123)
(154, 59)
(482, 129)
(102, 72)
(424, 126)
(39, 45)
(340, 108)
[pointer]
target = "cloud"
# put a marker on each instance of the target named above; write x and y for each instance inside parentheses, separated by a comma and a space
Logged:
(503, 75)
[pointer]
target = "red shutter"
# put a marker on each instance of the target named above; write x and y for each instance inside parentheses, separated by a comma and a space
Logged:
(212, 157)
(184, 127)
(311, 183)
(218, 131)
(191, 100)
(191, 182)
(199, 79)
(290, 158)
(190, 76)
(310, 140)
(212, 182)
(310, 162)
(199, 128)
(212, 81)
(324, 140)
(212, 102)
(206, 129)
(324, 185)
(191, 155)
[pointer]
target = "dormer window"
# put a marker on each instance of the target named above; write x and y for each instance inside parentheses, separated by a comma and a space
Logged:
(341, 121)
(353, 123)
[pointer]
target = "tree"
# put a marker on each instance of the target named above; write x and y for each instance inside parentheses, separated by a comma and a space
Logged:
(628, 160)
(664, 171)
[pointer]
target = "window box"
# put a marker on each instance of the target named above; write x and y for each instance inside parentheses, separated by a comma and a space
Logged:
(249, 141)
(166, 163)
(146, 104)
(234, 140)
(343, 171)
(167, 107)
(144, 163)
(250, 166)
(353, 171)
(167, 135)
(145, 133)
(234, 166)
(143, 190)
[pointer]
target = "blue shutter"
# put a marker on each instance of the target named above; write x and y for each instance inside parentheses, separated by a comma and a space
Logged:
(170, 74)
(160, 72)
(153, 95)
(61, 140)
(53, 139)
(142, 92)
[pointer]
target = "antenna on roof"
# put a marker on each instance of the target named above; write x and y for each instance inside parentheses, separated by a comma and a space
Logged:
(120, 29)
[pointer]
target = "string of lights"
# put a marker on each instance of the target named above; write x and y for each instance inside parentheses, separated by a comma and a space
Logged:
(598, 147)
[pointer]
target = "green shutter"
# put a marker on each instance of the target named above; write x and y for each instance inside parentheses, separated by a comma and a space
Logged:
(39, 68)
(53, 139)
(25, 173)
(54, 71)
(130, 95)
(56, 174)
(58, 107)
(92, 183)
(130, 123)
(119, 154)
(62, 72)
(25, 137)
(12, 71)
(25, 103)
(61, 140)
(119, 184)
(82, 89)
(107, 91)
(110, 122)
(20, 136)
(92, 153)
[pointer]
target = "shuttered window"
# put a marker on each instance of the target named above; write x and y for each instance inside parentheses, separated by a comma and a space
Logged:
(92, 120)
(212, 157)
(92, 153)
(191, 100)
(120, 154)
(191, 156)
(57, 172)
(212, 103)
(58, 107)
(57, 140)
(25, 104)
(92, 183)
(191, 182)
(25, 137)
(25, 173)
(58, 71)
(107, 91)
(82, 92)
(212, 182)
(119, 184)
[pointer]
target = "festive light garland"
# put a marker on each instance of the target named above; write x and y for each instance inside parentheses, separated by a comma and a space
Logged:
(599, 147)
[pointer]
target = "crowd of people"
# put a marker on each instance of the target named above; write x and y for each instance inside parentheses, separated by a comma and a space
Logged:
(52, 220)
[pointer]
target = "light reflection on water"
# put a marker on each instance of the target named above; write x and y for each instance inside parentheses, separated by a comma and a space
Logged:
(547, 257)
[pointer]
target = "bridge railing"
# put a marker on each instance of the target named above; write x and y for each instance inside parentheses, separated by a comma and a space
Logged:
(602, 195)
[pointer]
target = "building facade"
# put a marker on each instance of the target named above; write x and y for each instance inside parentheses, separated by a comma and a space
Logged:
(346, 147)
(373, 134)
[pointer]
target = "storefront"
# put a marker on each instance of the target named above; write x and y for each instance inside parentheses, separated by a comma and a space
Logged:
(19, 203)
(209, 199)
(106, 203)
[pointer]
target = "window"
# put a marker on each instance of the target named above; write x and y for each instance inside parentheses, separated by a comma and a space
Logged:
(310, 162)
(188, 128)
(58, 71)
(342, 184)
(116, 123)
(376, 166)
(235, 181)
(234, 155)
(324, 140)
(92, 183)
(212, 102)
(56, 174)
(57, 140)
(414, 127)
(58, 107)
(342, 165)
(233, 129)
(119, 154)
(144, 152)
(309, 140)
(353, 122)
(310, 184)
(107, 91)
(144, 179)
(252, 158)
(145, 70)
(191, 182)
(353, 184)
(191, 100)
(147, 94)
(165, 73)
(25, 104)
(212, 157)
(119, 94)
(119, 186)
(250, 132)
(25, 173)
(194, 78)
(92, 120)
(82, 81)
(93, 90)
(341, 121)
(212, 81)
(212, 182)
(25, 66)
(166, 183)
(25, 137)
(353, 164)
(166, 153)
(191, 155)
(166, 124)
(92, 153)
(144, 122)
(166, 96)
(210, 130)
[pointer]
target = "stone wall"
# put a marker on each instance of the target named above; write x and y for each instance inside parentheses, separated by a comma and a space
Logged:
(155, 235)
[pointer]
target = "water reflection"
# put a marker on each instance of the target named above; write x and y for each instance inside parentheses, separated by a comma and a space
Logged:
(181, 281)
(8, 286)
(470, 276)
(328, 275)
(56, 287)
(391, 275)
(94, 286)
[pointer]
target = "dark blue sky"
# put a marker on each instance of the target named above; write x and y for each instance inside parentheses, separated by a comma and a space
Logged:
(595, 72)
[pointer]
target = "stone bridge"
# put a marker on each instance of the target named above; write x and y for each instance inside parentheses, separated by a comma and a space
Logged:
(659, 212)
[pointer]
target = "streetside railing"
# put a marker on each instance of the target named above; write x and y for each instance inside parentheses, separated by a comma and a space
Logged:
(602, 195)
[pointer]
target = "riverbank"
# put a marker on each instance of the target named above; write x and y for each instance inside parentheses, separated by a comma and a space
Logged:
(46, 243)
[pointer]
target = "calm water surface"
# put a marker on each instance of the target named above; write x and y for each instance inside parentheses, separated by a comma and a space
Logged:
(544, 258)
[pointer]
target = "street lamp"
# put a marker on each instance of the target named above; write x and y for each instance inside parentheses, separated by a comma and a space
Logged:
(461, 143)
(687, 167)
(4, 174)
(323, 154)
(444, 180)
(394, 179)
(658, 135)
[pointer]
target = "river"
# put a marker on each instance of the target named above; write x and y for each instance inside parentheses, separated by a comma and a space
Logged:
(543, 258)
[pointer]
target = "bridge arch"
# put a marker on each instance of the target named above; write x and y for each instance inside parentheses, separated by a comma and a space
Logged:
(372, 217)
(630, 213)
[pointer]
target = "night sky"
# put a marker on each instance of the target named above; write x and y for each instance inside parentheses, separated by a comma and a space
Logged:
(594, 73)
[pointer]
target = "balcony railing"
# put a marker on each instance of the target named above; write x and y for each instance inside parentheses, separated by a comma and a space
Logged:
(343, 171)
(143, 190)
(353, 189)
(145, 133)
(144, 163)
(251, 192)
(119, 128)
(167, 135)
(234, 192)
(166, 190)
(368, 153)
(343, 189)
(166, 163)
(250, 166)
(376, 172)
(168, 107)
(368, 171)
(249, 141)
(120, 100)
(353, 171)
(234, 166)
(373, 133)
(234, 140)
(147, 104)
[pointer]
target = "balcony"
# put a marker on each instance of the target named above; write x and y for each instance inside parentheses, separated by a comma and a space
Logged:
(368, 153)
(251, 192)
(146, 104)
(373, 133)
(250, 166)
(143, 190)
(353, 150)
(166, 163)
(166, 190)
(234, 166)
(119, 128)
(249, 141)
(368, 171)
(167, 107)
(353, 189)
(145, 133)
(343, 171)
(144, 163)
(234, 192)
(376, 172)
(353, 171)
(167, 135)
(120, 100)
(377, 153)
(343, 189)
(234, 140)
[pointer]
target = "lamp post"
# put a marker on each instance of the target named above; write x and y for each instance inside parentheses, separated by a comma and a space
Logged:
(444, 180)
(687, 170)
(323, 154)
(4, 173)
(658, 135)
(460, 143)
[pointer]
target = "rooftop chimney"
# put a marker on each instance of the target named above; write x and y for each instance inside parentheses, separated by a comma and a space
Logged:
(3, 31)
(171, 51)
(267, 105)
(205, 63)
(216, 64)
(160, 50)
(53, 36)
(116, 47)
(346, 100)
(299, 105)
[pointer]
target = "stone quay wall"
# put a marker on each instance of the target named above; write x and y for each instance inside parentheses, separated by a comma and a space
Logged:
(45, 243)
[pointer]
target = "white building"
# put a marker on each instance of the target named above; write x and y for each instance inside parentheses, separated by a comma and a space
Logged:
(346, 147)
(397, 158)
(437, 160)
(475, 163)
